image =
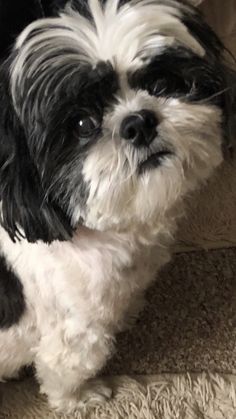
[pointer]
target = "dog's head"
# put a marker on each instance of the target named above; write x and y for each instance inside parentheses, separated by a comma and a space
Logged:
(110, 113)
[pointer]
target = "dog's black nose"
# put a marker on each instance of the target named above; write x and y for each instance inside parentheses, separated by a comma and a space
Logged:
(139, 128)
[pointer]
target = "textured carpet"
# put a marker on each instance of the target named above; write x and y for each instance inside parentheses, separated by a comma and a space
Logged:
(189, 322)
(157, 397)
(210, 220)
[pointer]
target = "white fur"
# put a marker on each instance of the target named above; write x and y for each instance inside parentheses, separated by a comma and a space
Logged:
(118, 198)
(77, 295)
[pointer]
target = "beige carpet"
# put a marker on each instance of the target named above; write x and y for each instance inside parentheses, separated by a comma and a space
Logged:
(211, 213)
(189, 322)
(181, 355)
(205, 396)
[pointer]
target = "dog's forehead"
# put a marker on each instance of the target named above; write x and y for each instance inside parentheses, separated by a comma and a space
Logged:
(122, 32)
(127, 36)
(128, 32)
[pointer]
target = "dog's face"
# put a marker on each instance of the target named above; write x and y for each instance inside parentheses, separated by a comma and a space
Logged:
(119, 109)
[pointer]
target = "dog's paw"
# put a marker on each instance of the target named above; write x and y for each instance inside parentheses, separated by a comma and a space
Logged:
(93, 392)
(66, 404)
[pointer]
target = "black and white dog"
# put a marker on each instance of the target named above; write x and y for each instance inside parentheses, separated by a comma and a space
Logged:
(110, 113)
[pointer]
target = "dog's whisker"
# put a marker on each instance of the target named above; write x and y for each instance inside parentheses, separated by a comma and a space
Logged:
(217, 94)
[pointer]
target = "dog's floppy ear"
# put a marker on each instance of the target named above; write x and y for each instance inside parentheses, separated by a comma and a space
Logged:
(24, 210)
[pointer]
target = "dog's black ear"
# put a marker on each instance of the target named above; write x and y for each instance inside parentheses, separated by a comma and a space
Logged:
(25, 212)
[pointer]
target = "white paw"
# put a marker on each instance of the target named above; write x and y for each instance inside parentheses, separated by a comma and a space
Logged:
(66, 404)
(95, 391)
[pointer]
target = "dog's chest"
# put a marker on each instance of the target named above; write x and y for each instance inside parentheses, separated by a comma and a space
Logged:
(94, 273)
(93, 276)
(97, 275)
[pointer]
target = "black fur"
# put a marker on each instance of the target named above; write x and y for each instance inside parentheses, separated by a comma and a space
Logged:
(15, 15)
(38, 164)
(178, 72)
(56, 142)
(53, 7)
(12, 303)
(24, 204)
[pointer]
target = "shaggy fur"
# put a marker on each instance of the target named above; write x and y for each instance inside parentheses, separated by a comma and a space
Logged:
(110, 113)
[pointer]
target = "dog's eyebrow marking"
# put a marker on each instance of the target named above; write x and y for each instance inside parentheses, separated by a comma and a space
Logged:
(12, 303)
(166, 69)
(177, 72)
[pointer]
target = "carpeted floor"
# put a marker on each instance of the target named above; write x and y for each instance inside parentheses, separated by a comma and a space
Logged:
(210, 220)
(189, 322)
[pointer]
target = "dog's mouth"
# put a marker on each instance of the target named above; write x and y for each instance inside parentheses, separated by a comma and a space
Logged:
(153, 161)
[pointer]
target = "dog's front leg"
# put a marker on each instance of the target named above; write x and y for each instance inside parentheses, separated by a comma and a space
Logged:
(65, 364)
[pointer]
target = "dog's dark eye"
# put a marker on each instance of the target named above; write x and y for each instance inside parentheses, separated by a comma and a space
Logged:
(87, 127)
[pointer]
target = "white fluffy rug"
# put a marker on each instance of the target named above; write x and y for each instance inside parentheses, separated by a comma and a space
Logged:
(153, 397)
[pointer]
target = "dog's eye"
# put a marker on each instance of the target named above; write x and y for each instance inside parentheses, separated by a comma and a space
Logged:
(87, 127)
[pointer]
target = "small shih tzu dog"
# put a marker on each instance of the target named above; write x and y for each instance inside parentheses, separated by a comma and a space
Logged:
(110, 113)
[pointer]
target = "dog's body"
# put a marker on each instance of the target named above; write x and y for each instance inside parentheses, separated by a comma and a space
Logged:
(110, 114)
(78, 295)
